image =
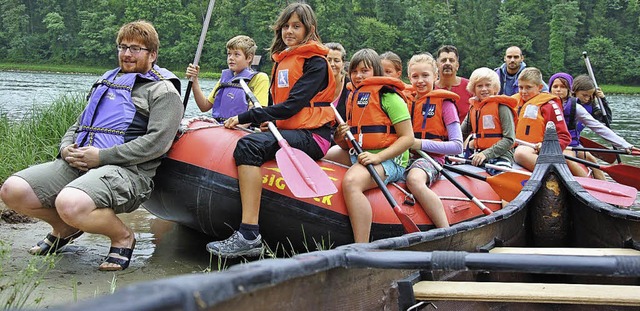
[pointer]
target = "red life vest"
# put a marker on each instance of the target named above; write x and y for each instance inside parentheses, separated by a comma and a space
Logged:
(286, 72)
(369, 123)
(485, 119)
(531, 123)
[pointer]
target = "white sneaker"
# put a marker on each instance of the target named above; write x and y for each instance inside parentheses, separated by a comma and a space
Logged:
(236, 245)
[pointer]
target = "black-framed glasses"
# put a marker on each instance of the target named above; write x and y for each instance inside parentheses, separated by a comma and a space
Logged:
(134, 48)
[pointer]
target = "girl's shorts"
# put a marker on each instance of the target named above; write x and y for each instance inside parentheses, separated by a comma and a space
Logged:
(393, 171)
(427, 167)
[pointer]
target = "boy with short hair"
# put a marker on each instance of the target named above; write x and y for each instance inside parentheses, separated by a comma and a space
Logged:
(535, 109)
(227, 98)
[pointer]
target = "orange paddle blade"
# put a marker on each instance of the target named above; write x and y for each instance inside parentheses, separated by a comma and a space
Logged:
(508, 184)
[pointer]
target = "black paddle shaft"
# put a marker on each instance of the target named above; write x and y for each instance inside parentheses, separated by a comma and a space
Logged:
(585, 162)
(374, 174)
(455, 182)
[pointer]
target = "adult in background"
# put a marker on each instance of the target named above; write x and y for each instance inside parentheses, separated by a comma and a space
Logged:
(448, 65)
(336, 57)
(109, 156)
(510, 70)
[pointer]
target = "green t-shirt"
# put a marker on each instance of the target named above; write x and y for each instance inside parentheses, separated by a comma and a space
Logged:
(397, 110)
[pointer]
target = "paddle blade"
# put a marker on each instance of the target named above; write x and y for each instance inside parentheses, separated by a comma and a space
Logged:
(624, 174)
(604, 156)
(608, 192)
(508, 184)
(294, 176)
(406, 221)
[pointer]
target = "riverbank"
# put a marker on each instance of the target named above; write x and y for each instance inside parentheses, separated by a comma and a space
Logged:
(75, 69)
(163, 249)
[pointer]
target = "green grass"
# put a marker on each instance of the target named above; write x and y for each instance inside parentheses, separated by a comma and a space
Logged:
(620, 89)
(36, 138)
(17, 289)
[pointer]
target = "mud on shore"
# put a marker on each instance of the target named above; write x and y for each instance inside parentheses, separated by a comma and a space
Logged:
(163, 249)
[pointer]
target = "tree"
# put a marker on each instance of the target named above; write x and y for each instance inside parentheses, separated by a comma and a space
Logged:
(14, 32)
(376, 35)
(57, 32)
(475, 35)
(562, 28)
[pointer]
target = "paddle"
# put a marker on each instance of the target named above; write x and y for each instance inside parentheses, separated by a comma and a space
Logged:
(203, 34)
(605, 191)
(600, 104)
(607, 157)
(622, 173)
(468, 194)
(302, 174)
(605, 150)
(507, 185)
(407, 223)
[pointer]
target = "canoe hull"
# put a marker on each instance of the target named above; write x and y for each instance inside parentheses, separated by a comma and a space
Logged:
(197, 186)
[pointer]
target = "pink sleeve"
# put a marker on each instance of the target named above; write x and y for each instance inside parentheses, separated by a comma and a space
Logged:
(454, 144)
(449, 113)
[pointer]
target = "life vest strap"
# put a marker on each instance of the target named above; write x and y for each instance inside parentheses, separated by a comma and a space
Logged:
(429, 136)
(366, 129)
(91, 129)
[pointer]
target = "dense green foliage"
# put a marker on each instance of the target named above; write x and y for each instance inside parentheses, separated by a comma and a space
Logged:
(36, 138)
(553, 34)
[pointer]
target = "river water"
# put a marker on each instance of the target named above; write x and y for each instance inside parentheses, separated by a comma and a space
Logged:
(182, 250)
(20, 91)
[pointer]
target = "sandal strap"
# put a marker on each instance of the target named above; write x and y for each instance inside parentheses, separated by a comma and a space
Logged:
(122, 251)
(122, 262)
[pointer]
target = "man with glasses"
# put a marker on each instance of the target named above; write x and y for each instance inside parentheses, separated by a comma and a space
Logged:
(109, 156)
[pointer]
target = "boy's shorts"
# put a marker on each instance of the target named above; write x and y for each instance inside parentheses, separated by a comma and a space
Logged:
(112, 186)
(391, 169)
(499, 161)
(427, 167)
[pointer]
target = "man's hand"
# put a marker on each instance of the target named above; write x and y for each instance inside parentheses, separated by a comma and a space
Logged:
(84, 158)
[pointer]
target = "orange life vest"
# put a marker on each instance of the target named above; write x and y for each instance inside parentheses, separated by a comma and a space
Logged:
(286, 72)
(531, 123)
(369, 123)
(485, 119)
(426, 113)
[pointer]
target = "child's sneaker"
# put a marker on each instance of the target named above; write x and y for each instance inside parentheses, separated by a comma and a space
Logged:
(236, 245)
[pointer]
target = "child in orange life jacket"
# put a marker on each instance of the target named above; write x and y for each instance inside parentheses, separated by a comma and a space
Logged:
(302, 89)
(378, 116)
(490, 121)
(436, 130)
(391, 64)
(578, 117)
(227, 98)
(535, 109)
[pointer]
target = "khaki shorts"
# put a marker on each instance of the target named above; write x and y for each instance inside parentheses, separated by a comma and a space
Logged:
(115, 187)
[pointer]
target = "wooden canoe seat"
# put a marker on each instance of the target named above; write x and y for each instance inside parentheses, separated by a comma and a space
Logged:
(584, 294)
(566, 251)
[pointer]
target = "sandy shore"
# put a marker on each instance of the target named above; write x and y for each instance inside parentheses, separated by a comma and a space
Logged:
(163, 249)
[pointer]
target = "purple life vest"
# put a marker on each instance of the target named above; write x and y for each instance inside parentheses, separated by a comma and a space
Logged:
(231, 100)
(574, 126)
(110, 117)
